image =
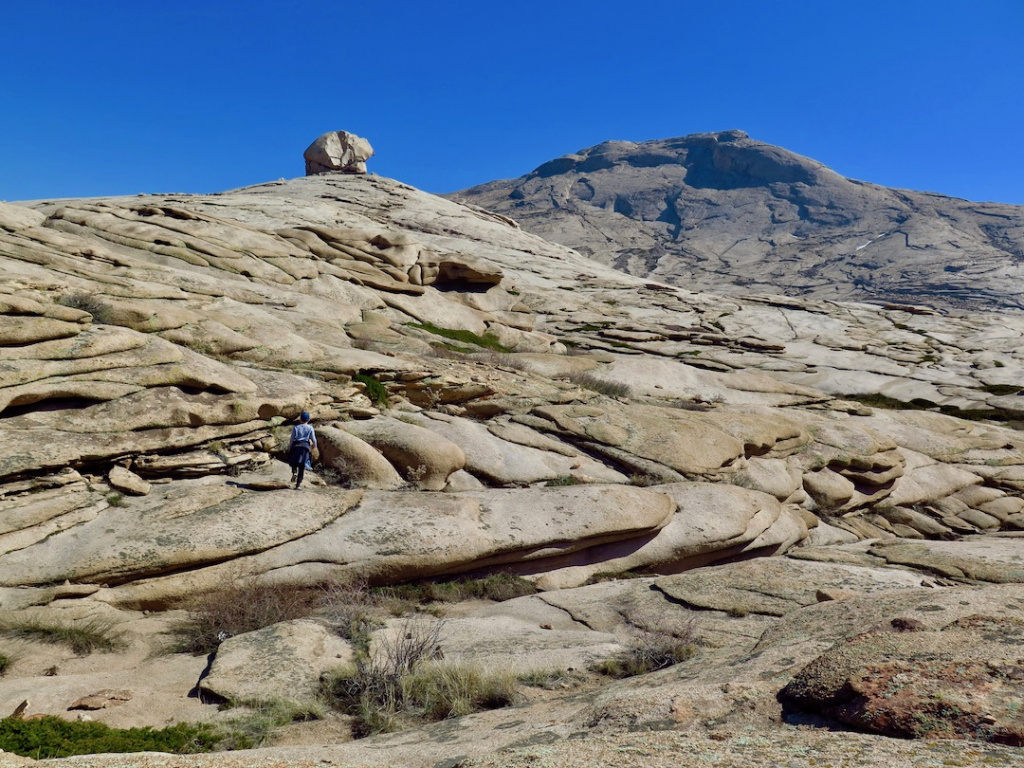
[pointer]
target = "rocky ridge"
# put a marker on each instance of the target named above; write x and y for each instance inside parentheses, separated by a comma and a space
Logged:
(484, 400)
(725, 213)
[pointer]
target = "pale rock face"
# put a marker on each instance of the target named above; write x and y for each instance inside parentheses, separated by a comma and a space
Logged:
(337, 151)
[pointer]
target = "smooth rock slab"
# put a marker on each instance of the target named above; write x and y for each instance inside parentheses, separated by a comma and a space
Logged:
(506, 643)
(711, 522)
(184, 526)
(397, 536)
(505, 463)
(995, 559)
(683, 441)
(776, 586)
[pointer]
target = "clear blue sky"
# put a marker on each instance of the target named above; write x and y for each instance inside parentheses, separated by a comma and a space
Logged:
(129, 96)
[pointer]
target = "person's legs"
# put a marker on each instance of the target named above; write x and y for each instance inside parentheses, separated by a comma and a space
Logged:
(299, 468)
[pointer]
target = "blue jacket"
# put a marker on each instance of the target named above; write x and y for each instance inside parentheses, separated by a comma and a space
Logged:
(303, 436)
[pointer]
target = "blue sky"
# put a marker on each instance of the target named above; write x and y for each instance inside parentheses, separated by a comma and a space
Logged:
(130, 96)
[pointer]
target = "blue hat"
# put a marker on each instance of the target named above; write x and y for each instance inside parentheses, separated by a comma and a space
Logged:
(304, 416)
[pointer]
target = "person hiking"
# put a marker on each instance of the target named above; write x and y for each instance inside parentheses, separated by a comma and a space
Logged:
(300, 448)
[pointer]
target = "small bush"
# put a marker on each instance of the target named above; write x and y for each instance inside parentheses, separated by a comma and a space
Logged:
(643, 480)
(375, 391)
(241, 607)
(351, 608)
(649, 652)
(404, 681)
(876, 400)
(51, 737)
(87, 302)
(116, 500)
(439, 690)
(595, 384)
(5, 663)
(494, 586)
(562, 481)
(254, 728)
(603, 576)
(487, 341)
(83, 637)
(550, 679)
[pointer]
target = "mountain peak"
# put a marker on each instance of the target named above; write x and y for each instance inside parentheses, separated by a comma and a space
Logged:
(727, 213)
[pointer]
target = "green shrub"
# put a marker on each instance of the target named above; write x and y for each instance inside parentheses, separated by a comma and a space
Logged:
(255, 725)
(116, 500)
(51, 737)
(487, 341)
(1001, 389)
(404, 682)
(649, 652)
(5, 663)
(439, 690)
(876, 400)
(375, 391)
(643, 480)
(83, 636)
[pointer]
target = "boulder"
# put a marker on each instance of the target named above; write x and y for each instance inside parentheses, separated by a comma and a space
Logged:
(419, 455)
(125, 480)
(356, 462)
(337, 151)
(282, 661)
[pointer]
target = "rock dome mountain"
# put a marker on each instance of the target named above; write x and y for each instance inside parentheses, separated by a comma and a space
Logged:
(726, 213)
(776, 476)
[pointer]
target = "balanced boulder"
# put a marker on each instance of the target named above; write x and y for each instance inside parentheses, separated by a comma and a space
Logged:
(337, 151)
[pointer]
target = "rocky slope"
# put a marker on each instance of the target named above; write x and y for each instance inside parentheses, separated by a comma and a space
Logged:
(484, 400)
(723, 212)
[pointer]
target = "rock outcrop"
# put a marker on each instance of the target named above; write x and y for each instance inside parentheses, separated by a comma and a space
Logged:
(337, 151)
(485, 401)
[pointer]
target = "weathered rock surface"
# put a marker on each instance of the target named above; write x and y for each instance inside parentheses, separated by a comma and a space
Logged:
(965, 680)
